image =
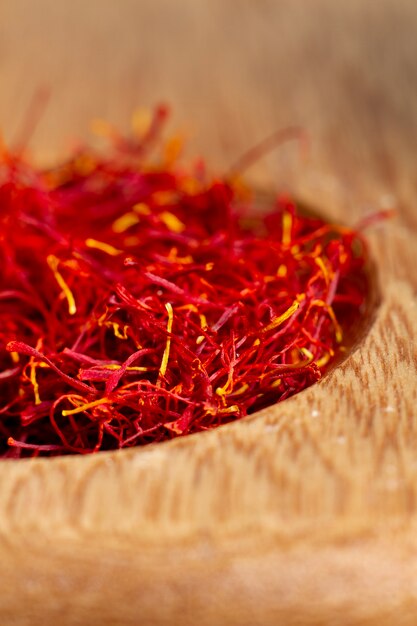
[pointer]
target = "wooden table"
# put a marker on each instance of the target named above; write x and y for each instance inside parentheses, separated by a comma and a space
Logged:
(305, 513)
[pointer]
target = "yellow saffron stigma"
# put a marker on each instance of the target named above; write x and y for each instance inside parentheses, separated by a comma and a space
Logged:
(241, 390)
(53, 263)
(85, 407)
(231, 409)
(203, 321)
(172, 222)
(34, 382)
(142, 209)
(116, 330)
(227, 387)
(323, 360)
(125, 221)
(15, 357)
(276, 383)
(165, 357)
(104, 247)
(337, 328)
(307, 353)
(188, 307)
(324, 270)
(286, 228)
(174, 258)
(286, 315)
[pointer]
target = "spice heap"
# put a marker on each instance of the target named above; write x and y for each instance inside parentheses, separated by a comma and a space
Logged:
(140, 301)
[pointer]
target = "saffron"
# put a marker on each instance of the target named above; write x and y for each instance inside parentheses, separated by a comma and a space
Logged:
(140, 301)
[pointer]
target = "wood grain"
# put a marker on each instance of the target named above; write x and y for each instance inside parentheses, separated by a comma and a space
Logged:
(306, 512)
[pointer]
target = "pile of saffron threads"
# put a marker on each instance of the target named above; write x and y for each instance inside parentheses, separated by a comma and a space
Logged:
(140, 301)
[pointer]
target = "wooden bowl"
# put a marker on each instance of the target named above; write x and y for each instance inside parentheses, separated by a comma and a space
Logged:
(304, 513)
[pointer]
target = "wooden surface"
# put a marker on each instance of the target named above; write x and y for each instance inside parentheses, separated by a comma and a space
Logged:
(306, 512)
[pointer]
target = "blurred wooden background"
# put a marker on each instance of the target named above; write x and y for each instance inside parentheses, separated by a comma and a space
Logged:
(305, 513)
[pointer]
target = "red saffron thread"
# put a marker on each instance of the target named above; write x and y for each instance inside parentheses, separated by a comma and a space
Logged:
(138, 304)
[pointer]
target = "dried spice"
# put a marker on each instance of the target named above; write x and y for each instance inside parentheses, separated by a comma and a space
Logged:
(140, 301)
